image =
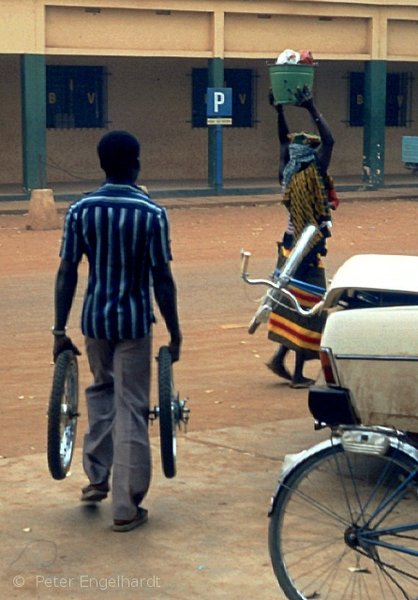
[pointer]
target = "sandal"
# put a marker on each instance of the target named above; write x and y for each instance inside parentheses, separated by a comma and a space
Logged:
(95, 492)
(140, 518)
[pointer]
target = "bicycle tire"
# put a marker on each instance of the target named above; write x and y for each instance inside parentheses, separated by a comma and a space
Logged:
(168, 442)
(315, 521)
(62, 415)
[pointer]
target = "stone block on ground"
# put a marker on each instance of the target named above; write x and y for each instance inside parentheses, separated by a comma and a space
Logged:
(43, 212)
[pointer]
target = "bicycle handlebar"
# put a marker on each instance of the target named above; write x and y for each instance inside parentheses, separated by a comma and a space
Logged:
(290, 267)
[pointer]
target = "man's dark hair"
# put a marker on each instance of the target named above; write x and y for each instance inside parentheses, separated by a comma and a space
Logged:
(118, 153)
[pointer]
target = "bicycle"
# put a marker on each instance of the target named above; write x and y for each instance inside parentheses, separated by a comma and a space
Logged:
(344, 515)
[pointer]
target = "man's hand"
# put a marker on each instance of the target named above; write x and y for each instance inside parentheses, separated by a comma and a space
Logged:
(174, 348)
(61, 343)
(304, 97)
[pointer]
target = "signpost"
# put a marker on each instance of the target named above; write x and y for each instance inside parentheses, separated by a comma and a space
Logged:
(219, 113)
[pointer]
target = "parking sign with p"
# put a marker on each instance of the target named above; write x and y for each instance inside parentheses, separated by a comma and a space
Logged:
(219, 104)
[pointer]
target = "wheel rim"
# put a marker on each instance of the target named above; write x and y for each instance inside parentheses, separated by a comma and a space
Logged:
(68, 421)
(62, 414)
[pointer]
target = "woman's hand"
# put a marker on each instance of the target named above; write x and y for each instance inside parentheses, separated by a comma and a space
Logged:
(304, 97)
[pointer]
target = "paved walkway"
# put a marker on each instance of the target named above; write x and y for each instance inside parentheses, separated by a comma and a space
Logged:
(206, 537)
(260, 193)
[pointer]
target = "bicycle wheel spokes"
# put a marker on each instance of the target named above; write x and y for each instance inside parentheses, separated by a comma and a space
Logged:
(321, 536)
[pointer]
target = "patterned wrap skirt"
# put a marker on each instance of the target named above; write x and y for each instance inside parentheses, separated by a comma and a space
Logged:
(286, 326)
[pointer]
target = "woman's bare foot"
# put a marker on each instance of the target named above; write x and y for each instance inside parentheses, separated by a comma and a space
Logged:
(279, 369)
(302, 382)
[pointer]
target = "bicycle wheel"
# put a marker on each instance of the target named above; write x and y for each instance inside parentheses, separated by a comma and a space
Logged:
(332, 517)
(62, 414)
(166, 400)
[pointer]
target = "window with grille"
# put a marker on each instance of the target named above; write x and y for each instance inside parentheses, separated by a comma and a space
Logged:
(397, 89)
(75, 97)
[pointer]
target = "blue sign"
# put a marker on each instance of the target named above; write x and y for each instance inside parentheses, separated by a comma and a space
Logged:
(241, 83)
(219, 102)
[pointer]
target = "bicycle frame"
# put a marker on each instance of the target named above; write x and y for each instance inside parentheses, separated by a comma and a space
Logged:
(285, 277)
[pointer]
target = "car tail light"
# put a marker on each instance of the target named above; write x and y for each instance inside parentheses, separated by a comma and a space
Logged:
(328, 367)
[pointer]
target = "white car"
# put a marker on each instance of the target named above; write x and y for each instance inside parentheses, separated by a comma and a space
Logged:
(369, 346)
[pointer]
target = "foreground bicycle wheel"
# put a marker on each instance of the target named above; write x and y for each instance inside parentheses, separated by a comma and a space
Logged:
(62, 414)
(336, 521)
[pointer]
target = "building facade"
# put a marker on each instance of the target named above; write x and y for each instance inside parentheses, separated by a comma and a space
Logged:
(70, 70)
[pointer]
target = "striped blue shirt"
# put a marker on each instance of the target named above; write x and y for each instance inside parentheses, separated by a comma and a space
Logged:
(122, 233)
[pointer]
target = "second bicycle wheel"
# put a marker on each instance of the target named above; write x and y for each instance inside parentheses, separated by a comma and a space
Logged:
(166, 398)
(336, 516)
(62, 414)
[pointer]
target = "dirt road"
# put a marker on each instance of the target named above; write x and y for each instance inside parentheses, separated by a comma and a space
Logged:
(222, 368)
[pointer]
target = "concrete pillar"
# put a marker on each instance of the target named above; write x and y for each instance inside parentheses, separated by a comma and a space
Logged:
(374, 123)
(33, 86)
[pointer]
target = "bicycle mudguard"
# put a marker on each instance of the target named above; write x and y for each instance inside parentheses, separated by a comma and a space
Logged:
(293, 461)
(397, 441)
